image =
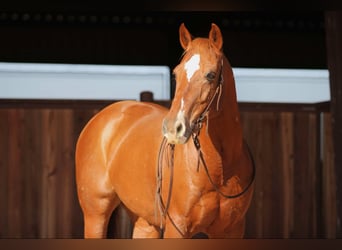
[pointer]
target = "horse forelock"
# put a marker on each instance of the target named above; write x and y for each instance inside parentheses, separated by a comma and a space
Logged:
(200, 45)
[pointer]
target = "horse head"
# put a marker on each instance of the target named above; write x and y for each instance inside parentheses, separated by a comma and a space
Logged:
(198, 77)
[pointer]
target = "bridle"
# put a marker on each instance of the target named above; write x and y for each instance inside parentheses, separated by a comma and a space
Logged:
(196, 128)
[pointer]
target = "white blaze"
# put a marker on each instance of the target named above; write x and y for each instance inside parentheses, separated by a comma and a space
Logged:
(180, 114)
(192, 66)
(182, 104)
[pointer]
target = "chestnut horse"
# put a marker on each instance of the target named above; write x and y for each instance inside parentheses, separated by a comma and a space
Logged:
(178, 172)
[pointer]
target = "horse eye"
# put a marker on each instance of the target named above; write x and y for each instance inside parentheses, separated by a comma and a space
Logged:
(211, 76)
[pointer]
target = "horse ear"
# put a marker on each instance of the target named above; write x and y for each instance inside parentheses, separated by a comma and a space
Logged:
(185, 37)
(215, 37)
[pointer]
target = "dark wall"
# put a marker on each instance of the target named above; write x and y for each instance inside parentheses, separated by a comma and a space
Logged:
(251, 39)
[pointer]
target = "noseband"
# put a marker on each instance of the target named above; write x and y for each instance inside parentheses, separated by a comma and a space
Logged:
(196, 128)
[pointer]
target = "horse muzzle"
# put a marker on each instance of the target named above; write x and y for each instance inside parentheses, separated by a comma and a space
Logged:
(176, 131)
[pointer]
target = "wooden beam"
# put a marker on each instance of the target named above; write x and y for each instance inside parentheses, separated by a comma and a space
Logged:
(333, 25)
(148, 97)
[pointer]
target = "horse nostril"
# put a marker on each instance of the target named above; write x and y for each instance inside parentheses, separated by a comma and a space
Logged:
(179, 128)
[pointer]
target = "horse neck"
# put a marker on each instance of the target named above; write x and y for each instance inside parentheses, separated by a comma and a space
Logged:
(224, 126)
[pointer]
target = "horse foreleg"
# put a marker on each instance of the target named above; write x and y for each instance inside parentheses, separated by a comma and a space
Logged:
(97, 213)
(95, 226)
(176, 229)
(142, 229)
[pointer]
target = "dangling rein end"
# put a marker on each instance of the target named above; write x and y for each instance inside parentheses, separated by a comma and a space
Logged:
(160, 205)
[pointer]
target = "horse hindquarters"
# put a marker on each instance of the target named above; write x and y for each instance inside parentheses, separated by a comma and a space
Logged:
(97, 199)
(96, 195)
(111, 154)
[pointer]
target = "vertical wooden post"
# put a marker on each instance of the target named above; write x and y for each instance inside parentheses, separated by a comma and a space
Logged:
(146, 96)
(333, 25)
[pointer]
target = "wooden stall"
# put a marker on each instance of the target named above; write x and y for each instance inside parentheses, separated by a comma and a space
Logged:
(293, 198)
(295, 186)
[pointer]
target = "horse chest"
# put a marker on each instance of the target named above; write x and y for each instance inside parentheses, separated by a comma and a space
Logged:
(204, 211)
(199, 209)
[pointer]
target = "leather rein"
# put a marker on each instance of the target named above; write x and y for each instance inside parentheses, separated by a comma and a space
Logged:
(169, 148)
